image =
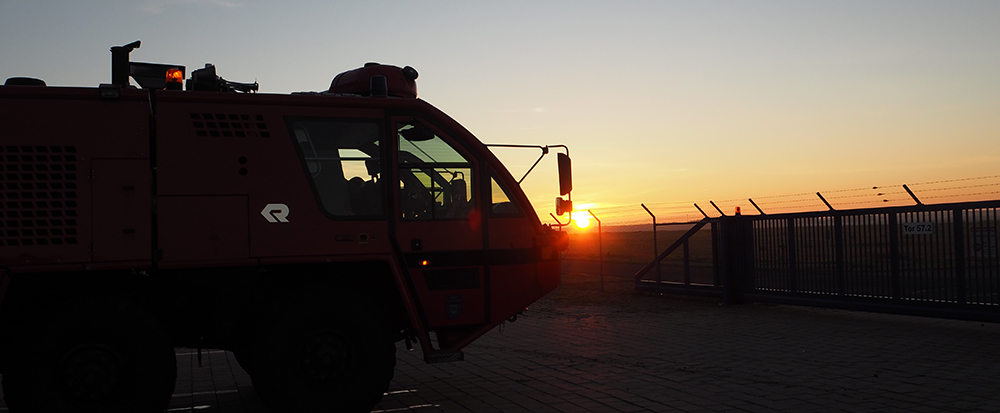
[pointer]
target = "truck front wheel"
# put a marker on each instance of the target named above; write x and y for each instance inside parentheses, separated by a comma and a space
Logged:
(75, 358)
(322, 351)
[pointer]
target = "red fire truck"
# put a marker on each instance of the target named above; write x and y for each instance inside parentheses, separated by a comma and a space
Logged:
(307, 233)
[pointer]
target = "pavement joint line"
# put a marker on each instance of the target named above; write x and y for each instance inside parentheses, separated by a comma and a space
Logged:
(202, 393)
(406, 409)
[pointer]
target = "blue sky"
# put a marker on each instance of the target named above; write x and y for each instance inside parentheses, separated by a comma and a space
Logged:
(661, 102)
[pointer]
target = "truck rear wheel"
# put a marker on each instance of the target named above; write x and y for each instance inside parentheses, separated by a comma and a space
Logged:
(75, 359)
(322, 352)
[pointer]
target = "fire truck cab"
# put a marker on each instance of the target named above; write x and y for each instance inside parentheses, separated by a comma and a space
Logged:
(307, 233)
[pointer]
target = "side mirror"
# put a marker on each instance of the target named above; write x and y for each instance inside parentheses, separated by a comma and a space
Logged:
(563, 206)
(417, 133)
(565, 174)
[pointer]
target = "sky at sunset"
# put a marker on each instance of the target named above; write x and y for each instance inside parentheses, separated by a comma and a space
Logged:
(666, 103)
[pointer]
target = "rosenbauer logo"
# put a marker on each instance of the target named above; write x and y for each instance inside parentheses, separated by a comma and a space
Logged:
(275, 213)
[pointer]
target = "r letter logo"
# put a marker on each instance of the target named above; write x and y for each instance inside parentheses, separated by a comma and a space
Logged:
(275, 213)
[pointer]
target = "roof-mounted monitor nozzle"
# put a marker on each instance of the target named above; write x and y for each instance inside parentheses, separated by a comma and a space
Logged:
(205, 79)
(119, 63)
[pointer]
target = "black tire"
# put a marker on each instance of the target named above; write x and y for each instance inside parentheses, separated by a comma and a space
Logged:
(79, 359)
(318, 352)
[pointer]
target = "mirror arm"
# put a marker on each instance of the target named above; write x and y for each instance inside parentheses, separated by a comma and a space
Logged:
(544, 151)
(544, 148)
(559, 223)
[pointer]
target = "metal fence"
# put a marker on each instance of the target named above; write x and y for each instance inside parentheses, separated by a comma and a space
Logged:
(933, 260)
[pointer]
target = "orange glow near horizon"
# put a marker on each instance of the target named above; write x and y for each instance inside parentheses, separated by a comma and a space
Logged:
(582, 220)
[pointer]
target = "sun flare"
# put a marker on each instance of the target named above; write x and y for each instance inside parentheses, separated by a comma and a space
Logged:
(582, 221)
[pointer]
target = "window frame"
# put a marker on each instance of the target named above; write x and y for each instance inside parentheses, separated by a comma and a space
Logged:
(472, 163)
(379, 122)
(494, 177)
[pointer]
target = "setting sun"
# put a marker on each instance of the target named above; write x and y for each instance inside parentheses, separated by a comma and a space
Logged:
(582, 220)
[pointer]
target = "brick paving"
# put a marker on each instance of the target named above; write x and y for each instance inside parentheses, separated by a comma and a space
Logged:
(619, 352)
(581, 350)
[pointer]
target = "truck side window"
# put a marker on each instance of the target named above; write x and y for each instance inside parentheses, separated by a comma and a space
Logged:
(342, 160)
(435, 180)
(502, 204)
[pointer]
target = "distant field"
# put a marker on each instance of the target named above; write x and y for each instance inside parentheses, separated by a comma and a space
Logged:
(637, 247)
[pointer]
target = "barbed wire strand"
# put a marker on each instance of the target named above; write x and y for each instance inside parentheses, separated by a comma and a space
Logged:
(626, 214)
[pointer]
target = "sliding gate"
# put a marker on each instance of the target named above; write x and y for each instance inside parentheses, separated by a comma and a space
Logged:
(932, 260)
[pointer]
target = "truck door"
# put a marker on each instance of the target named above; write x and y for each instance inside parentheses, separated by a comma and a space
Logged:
(439, 222)
(515, 253)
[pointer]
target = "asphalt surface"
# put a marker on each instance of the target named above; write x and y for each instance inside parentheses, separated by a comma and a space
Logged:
(584, 350)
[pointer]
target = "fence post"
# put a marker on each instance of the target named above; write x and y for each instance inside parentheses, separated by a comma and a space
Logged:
(736, 256)
(725, 260)
(656, 251)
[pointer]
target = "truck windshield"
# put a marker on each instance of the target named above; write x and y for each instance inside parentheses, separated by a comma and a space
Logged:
(435, 180)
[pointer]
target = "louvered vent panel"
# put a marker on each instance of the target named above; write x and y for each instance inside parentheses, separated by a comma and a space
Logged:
(38, 195)
(229, 125)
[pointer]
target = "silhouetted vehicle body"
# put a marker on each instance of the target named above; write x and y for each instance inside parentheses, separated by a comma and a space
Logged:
(307, 233)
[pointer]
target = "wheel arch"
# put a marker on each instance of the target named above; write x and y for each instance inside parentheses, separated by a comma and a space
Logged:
(373, 280)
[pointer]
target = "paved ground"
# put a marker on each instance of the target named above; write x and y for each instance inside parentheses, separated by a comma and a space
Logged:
(581, 350)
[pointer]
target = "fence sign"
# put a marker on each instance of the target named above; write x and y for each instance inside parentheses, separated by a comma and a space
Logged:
(984, 242)
(918, 228)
